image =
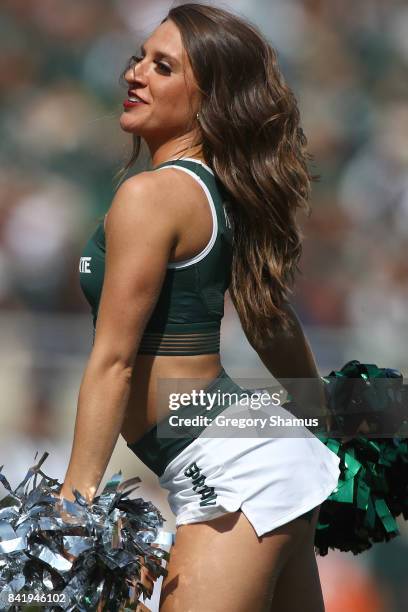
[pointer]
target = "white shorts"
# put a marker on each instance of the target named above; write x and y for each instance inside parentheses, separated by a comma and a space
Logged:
(273, 480)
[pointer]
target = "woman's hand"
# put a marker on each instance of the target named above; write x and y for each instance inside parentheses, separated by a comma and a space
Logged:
(58, 505)
(69, 496)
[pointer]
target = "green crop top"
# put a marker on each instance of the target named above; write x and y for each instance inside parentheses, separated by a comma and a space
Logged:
(187, 317)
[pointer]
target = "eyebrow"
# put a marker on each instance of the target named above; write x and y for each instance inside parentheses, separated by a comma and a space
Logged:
(163, 55)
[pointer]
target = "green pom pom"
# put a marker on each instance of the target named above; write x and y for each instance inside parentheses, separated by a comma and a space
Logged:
(372, 491)
(373, 485)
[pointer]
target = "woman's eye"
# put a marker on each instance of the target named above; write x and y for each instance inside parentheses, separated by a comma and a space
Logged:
(163, 67)
(135, 59)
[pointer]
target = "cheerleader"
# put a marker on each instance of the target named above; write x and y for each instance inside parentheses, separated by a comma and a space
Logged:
(215, 211)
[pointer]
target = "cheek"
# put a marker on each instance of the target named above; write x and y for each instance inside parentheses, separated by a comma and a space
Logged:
(174, 101)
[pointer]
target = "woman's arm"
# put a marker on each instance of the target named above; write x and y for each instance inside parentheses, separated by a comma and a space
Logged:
(141, 229)
(290, 360)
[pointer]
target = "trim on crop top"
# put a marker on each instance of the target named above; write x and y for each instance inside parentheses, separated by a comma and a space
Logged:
(193, 260)
(190, 159)
(197, 161)
(159, 343)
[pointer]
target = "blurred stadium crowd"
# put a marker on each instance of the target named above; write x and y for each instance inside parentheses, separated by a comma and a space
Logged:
(61, 145)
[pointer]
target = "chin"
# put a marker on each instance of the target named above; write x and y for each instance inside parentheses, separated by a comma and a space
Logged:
(128, 125)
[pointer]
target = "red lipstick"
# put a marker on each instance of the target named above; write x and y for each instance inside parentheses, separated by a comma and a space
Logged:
(129, 104)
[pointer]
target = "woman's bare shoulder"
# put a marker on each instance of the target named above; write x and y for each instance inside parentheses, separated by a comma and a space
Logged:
(166, 197)
(184, 191)
(166, 183)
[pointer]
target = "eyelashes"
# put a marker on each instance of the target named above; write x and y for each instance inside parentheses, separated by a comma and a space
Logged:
(135, 59)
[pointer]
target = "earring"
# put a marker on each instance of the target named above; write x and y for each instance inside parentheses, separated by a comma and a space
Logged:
(198, 116)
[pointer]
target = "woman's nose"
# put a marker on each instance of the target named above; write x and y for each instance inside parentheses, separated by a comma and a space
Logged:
(136, 74)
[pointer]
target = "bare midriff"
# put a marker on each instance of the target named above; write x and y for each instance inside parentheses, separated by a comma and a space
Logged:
(154, 377)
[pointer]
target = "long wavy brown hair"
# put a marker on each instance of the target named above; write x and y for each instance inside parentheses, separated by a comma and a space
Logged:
(251, 137)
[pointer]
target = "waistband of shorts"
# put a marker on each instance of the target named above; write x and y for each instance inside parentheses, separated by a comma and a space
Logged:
(157, 452)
